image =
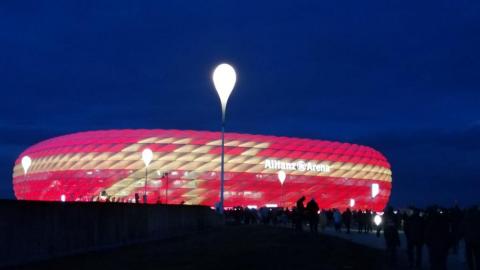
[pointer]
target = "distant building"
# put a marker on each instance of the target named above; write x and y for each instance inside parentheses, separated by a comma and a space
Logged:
(90, 166)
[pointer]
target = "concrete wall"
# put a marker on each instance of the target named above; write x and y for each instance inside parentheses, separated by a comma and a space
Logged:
(39, 230)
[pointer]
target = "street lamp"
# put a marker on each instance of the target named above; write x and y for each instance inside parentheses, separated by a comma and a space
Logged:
(26, 162)
(281, 177)
(224, 78)
(352, 203)
(165, 175)
(147, 156)
(375, 190)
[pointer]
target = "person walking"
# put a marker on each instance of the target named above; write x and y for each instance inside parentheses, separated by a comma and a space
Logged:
(137, 198)
(360, 217)
(438, 238)
(368, 221)
(337, 220)
(299, 215)
(323, 220)
(312, 212)
(456, 217)
(390, 233)
(414, 228)
(347, 219)
(471, 232)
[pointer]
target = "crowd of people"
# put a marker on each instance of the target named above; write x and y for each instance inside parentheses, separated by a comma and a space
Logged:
(438, 229)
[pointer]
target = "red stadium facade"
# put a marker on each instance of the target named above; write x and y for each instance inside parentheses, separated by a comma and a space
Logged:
(107, 165)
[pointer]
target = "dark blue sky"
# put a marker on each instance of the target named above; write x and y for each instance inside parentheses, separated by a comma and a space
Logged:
(400, 76)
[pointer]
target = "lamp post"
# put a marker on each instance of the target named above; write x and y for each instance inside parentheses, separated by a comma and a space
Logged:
(281, 177)
(26, 162)
(165, 175)
(147, 156)
(224, 78)
(375, 190)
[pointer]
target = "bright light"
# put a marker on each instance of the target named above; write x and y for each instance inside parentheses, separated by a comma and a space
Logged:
(377, 220)
(352, 202)
(375, 190)
(251, 206)
(271, 205)
(224, 78)
(147, 156)
(63, 198)
(26, 162)
(281, 177)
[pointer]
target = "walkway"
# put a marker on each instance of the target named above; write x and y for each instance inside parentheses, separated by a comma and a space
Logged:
(228, 248)
(455, 262)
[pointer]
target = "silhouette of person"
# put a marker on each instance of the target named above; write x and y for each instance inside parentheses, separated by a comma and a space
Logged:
(390, 233)
(471, 232)
(312, 212)
(300, 211)
(368, 221)
(438, 238)
(347, 219)
(360, 217)
(456, 217)
(323, 219)
(337, 220)
(414, 228)
(137, 198)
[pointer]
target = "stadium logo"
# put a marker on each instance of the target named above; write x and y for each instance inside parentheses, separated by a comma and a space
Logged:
(296, 166)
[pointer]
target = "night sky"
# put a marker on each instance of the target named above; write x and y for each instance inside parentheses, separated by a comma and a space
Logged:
(399, 76)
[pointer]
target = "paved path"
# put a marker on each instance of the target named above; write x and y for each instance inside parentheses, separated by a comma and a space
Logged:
(228, 248)
(455, 262)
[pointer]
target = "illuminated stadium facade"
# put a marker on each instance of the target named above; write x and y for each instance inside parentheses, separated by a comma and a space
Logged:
(107, 165)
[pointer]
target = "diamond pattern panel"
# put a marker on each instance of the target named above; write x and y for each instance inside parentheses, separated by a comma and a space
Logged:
(90, 166)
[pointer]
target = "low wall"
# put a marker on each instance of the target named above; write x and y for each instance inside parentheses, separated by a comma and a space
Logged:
(39, 230)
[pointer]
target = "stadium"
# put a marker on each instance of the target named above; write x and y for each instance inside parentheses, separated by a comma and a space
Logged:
(185, 169)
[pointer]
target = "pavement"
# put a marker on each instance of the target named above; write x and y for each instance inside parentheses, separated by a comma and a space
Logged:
(242, 247)
(455, 261)
(249, 247)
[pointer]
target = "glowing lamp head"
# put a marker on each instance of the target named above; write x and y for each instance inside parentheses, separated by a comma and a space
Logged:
(26, 162)
(352, 203)
(147, 156)
(224, 79)
(377, 220)
(281, 177)
(63, 198)
(375, 190)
